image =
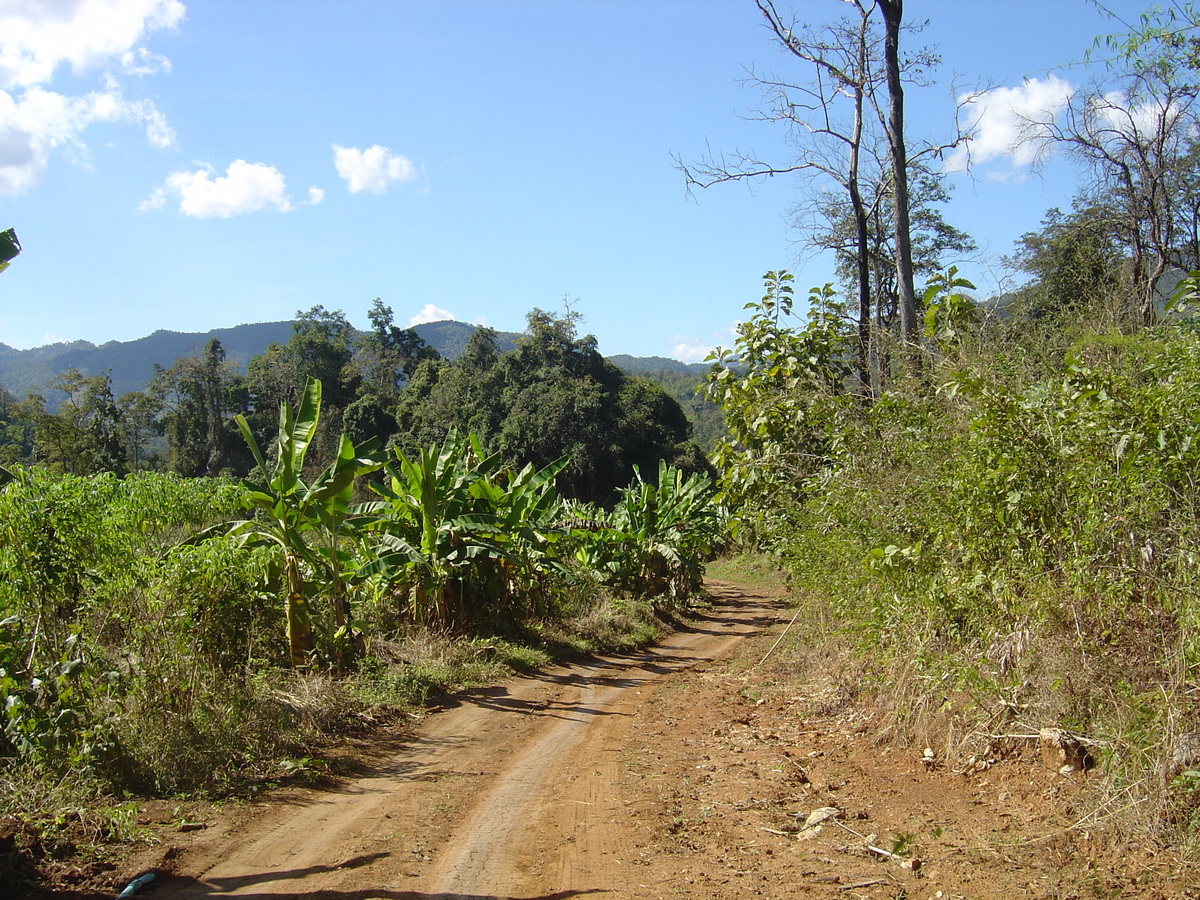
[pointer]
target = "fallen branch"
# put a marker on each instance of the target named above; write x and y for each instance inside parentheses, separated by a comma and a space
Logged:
(782, 635)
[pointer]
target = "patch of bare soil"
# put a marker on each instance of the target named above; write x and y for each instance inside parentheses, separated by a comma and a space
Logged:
(679, 772)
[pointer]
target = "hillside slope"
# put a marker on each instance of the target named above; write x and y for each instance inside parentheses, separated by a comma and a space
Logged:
(130, 364)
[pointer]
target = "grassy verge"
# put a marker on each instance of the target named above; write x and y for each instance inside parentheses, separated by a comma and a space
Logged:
(276, 728)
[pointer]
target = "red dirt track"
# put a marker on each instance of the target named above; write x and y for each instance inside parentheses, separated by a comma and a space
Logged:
(513, 792)
(684, 771)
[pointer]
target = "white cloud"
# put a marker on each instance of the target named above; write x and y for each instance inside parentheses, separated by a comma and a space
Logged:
(1009, 124)
(158, 132)
(430, 313)
(245, 187)
(37, 121)
(37, 37)
(315, 196)
(693, 349)
(372, 169)
(690, 350)
(156, 200)
(1113, 117)
(142, 62)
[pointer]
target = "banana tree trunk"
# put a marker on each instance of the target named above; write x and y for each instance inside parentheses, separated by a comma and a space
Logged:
(301, 643)
(344, 636)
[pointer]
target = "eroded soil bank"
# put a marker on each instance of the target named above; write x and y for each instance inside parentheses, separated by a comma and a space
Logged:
(689, 770)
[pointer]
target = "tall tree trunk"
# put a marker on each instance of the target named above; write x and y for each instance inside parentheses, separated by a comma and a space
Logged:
(862, 264)
(893, 13)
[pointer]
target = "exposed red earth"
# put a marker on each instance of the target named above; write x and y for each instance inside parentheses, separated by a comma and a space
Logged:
(688, 770)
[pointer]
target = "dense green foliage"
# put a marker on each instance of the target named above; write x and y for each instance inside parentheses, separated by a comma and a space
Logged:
(119, 654)
(1000, 512)
(1012, 535)
(148, 629)
(553, 396)
(165, 631)
(690, 392)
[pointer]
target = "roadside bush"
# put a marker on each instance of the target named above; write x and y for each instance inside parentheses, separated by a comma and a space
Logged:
(1008, 540)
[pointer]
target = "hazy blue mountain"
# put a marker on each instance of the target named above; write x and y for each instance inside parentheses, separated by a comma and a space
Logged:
(130, 364)
(641, 365)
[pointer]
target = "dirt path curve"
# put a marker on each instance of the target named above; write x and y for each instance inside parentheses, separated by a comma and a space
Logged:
(514, 792)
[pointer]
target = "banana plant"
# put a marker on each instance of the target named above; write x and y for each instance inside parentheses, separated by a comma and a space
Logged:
(428, 531)
(519, 514)
(307, 521)
(669, 527)
(457, 531)
(10, 247)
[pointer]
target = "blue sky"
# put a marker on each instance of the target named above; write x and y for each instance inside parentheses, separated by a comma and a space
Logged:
(197, 165)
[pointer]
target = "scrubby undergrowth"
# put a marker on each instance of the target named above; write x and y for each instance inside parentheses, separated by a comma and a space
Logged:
(1007, 540)
(271, 728)
(156, 641)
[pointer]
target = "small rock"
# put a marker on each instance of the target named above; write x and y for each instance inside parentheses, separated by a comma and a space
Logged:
(1063, 752)
(817, 816)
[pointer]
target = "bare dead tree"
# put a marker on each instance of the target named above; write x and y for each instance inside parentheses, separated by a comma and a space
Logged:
(1139, 139)
(1135, 142)
(893, 14)
(838, 120)
(828, 118)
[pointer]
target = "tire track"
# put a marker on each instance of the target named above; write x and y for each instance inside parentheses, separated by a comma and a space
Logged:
(511, 793)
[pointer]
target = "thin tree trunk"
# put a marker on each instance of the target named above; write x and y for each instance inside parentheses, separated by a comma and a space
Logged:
(863, 272)
(893, 12)
(299, 622)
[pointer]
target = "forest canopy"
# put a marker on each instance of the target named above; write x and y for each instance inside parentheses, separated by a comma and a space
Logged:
(553, 396)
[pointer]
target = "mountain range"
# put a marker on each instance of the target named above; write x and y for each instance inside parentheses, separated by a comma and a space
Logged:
(131, 364)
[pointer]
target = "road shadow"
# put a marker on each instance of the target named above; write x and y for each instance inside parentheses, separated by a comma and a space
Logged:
(176, 887)
(735, 614)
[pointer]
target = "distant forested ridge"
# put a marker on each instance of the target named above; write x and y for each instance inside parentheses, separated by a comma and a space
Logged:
(549, 394)
(130, 364)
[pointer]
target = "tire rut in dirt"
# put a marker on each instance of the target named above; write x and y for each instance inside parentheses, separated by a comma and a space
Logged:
(511, 792)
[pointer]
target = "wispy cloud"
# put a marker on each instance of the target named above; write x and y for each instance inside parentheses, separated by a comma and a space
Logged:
(430, 313)
(372, 169)
(1008, 127)
(39, 38)
(1113, 116)
(245, 187)
(690, 350)
(694, 349)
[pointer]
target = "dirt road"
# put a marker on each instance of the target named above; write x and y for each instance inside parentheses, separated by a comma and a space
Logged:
(514, 792)
(690, 770)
